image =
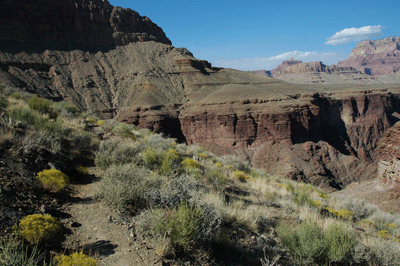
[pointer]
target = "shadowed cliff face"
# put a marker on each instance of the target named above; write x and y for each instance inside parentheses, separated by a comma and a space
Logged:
(89, 22)
(326, 135)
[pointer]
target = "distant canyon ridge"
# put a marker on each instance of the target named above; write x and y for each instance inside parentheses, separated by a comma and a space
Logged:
(371, 62)
(117, 64)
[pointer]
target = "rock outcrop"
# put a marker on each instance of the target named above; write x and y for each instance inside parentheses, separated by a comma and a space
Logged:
(88, 22)
(115, 63)
(380, 57)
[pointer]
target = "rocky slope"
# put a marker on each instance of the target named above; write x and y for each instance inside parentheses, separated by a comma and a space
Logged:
(321, 134)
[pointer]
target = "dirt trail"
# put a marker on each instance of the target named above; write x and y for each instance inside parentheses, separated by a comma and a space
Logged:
(99, 229)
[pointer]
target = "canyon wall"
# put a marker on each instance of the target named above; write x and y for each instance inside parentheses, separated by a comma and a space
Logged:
(328, 139)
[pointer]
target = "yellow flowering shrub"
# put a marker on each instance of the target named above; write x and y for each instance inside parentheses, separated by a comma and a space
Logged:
(170, 161)
(218, 164)
(384, 234)
(323, 195)
(82, 170)
(342, 213)
(75, 259)
(53, 180)
(240, 175)
(100, 122)
(36, 228)
(190, 164)
(202, 155)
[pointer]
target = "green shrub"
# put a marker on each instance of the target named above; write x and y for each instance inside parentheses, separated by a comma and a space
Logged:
(302, 196)
(235, 163)
(184, 225)
(15, 95)
(341, 243)
(75, 259)
(40, 104)
(53, 180)
(170, 162)
(65, 109)
(307, 243)
(159, 142)
(181, 225)
(117, 152)
(37, 228)
(152, 158)
(81, 141)
(383, 252)
(35, 119)
(125, 186)
(124, 130)
(217, 176)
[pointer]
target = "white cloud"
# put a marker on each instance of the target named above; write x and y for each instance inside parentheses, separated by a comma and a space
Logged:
(355, 35)
(272, 62)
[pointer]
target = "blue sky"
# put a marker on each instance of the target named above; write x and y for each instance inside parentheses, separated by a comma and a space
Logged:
(253, 35)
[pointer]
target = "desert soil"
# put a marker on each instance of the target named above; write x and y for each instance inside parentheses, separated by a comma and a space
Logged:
(101, 231)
